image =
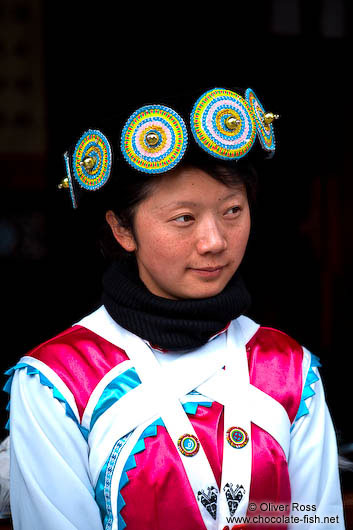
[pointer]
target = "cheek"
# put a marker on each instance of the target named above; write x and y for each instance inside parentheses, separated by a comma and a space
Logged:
(159, 246)
(246, 233)
(239, 239)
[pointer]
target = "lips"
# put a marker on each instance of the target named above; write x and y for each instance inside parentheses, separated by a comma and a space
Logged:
(208, 273)
(208, 269)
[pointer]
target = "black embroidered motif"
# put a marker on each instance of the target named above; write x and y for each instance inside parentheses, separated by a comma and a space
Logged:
(233, 496)
(209, 500)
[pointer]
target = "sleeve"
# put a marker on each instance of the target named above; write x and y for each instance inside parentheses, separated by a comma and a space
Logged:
(50, 485)
(313, 465)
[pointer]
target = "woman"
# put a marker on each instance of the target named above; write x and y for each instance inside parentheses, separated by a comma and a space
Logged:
(166, 407)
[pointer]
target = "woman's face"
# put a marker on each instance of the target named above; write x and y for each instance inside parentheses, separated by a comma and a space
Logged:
(191, 234)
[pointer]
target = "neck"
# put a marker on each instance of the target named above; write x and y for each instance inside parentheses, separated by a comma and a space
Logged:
(167, 323)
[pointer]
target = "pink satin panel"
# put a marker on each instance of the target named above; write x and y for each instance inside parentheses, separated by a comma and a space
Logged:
(208, 425)
(165, 497)
(275, 365)
(158, 495)
(161, 482)
(80, 358)
(270, 478)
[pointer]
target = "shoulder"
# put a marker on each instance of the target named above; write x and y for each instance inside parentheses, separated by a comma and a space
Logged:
(268, 340)
(75, 361)
(276, 365)
(272, 341)
(78, 348)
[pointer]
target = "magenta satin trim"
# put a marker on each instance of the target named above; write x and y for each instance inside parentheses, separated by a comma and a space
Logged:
(80, 358)
(275, 366)
(270, 478)
(158, 494)
(275, 362)
(165, 498)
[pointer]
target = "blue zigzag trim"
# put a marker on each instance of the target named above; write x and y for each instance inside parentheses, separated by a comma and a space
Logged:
(44, 381)
(117, 388)
(190, 408)
(307, 390)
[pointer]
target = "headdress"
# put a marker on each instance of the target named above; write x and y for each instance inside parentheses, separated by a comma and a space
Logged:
(222, 122)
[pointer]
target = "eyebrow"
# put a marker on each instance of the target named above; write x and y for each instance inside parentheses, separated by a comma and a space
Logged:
(179, 203)
(175, 204)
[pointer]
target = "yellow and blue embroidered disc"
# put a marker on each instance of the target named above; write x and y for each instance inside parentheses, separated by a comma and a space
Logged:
(223, 124)
(265, 130)
(188, 445)
(69, 180)
(154, 139)
(92, 160)
(237, 437)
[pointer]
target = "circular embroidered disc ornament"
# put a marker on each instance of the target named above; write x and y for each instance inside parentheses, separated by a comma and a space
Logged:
(154, 139)
(69, 178)
(92, 160)
(237, 437)
(223, 124)
(188, 445)
(265, 132)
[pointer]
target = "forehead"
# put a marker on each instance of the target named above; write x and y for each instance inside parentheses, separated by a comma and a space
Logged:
(191, 186)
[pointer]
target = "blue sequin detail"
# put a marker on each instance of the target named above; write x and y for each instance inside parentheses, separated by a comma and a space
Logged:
(167, 163)
(103, 486)
(259, 129)
(307, 390)
(71, 187)
(101, 176)
(245, 117)
(31, 370)
(117, 388)
(150, 158)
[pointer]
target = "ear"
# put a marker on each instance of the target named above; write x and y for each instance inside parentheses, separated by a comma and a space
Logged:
(123, 235)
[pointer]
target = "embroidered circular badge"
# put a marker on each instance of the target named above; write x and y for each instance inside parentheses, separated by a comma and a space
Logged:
(237, 437)
(154, 139)
(92, 160)
(223, 124)
(69, 179)
(188, 445)
(265, 132)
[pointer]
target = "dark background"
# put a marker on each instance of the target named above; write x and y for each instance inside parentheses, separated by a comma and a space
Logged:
(65, 66)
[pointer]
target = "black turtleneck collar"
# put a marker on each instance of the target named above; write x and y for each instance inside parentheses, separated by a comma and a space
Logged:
(169, 324)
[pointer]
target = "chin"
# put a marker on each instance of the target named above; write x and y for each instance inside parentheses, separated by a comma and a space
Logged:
(189, 290)
(205, 291)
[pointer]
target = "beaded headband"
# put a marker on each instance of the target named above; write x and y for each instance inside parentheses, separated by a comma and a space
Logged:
(154, 138)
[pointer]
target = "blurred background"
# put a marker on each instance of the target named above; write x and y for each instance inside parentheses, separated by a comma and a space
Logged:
(66, 64)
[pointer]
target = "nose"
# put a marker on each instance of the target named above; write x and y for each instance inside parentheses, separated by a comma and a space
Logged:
(210, 237)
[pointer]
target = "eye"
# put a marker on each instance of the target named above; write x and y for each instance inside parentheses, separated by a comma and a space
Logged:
(184, 218)
(233, 211)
